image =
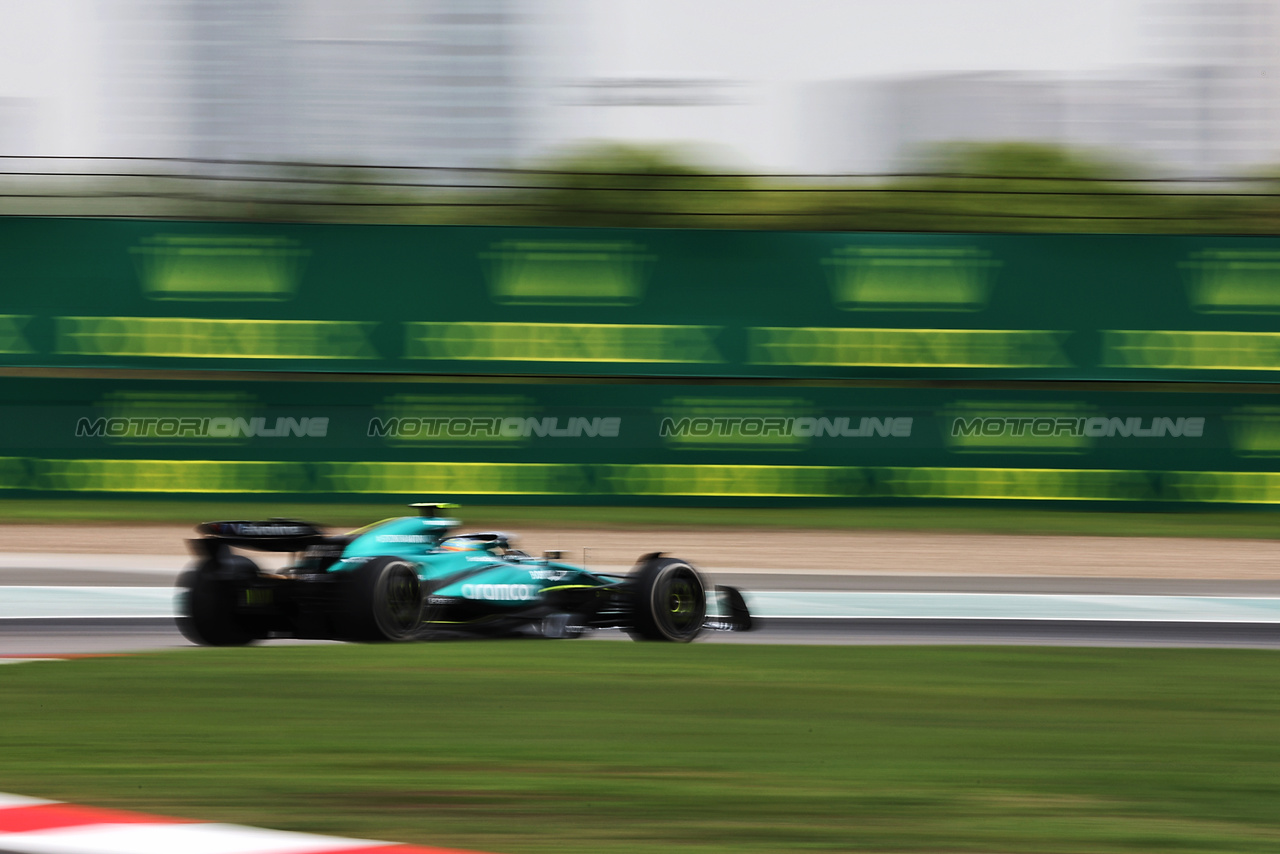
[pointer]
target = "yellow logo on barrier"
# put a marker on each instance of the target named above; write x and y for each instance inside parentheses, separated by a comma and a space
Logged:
(12, 333)
(1234, 281)
(725, 481)
(202, 338)
(447, 478)
(1034, 484)
(1255, 431)
(169, 476)
(708, 481)
(1191, 350)
(907, 348)
(548, 272)
(910, 278)
(192, 267)
(561, 342)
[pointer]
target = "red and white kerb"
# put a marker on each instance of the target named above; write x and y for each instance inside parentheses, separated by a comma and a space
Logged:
(34, 826)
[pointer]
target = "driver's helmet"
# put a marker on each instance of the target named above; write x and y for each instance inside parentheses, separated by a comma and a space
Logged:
(464, 544)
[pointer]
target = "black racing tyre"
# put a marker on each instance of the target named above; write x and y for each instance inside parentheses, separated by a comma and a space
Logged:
(385, 601)
(207, 602)
(670, 601)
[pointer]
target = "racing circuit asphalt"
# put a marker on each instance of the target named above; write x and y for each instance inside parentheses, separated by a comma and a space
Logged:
(77, 635)
(66, 637)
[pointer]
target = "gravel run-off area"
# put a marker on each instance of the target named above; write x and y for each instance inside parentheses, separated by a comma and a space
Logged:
(780, 550)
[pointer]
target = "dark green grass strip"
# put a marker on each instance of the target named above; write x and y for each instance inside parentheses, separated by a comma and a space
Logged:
(621, 747)
(1258, 524)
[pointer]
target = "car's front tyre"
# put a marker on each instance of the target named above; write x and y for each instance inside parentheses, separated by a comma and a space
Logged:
(670, 601)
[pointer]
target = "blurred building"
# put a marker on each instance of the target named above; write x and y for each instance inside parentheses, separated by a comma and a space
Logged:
(1188, 119)
(1209, 105)
(1228, 51)
(18, 118)
(717, 117)
(398, 82)
(440, 83)
(491, 82)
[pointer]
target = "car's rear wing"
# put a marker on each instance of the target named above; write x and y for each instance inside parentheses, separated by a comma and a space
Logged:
(274, 535)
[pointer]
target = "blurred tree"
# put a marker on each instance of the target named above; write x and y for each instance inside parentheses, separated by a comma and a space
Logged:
(1002, 186)
(1026, 160)
(615, 184)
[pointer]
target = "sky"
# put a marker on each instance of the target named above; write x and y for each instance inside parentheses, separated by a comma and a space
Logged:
(41, 43)
(793, 40)
(773, 47)
(46, 53)
(47, 50)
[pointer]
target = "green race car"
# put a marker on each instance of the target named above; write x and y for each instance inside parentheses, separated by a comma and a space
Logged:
(413, 578)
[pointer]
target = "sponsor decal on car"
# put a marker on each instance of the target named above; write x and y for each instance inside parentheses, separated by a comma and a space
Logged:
(246, 530)
(500, 592)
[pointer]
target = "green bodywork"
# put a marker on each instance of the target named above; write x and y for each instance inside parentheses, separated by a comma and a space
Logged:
(480, 568)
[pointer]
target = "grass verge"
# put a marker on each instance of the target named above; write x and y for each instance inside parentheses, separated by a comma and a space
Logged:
(539, 746)
(1249, 524)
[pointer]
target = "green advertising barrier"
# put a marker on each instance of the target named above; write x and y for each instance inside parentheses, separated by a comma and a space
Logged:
(609, 302)
(634, 443)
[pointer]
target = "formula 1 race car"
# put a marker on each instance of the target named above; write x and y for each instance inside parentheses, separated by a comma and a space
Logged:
(412, 579)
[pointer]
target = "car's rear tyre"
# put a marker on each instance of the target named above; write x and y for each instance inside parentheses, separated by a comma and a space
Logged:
(386, 601)
(207, 602)
(670, 601)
